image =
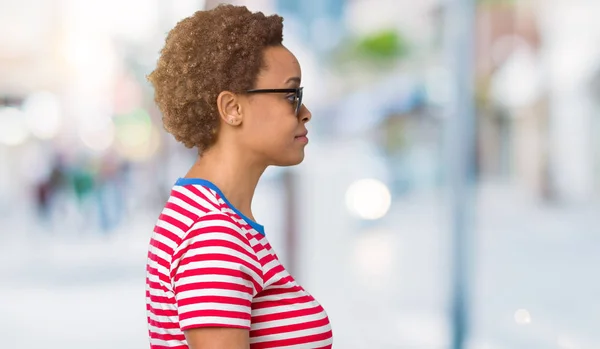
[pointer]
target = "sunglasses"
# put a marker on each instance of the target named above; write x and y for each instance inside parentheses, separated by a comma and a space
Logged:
(297, 102)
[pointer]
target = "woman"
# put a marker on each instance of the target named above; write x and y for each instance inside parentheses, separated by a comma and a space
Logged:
(226, 85)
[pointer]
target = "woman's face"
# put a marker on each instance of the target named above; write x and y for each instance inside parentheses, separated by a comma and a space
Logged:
(271, 129)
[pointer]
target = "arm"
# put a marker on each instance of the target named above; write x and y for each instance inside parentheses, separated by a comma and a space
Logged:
(217, 338)
(215, 273)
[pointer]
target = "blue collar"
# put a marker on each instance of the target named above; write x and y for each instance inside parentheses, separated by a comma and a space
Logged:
(203, 182)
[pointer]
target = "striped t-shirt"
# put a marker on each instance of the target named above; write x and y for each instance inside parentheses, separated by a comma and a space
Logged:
(210, 266)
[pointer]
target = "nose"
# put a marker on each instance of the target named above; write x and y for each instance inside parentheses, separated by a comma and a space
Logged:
(305, 115)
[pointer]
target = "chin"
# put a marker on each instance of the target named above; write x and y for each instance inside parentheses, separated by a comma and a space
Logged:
(290, 160)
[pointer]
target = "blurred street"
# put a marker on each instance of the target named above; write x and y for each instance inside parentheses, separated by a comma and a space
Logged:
(368, 223)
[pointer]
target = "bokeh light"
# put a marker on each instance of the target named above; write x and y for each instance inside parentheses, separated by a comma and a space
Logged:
(522, 317)
(43, 114)
(136, 137)
(14, 129)
(368, 199)
(97, 133)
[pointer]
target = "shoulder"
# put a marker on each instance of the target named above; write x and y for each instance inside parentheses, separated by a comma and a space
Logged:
(196, 198)
(217, 239)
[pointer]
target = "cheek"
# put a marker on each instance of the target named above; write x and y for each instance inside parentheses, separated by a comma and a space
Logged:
(275, 129)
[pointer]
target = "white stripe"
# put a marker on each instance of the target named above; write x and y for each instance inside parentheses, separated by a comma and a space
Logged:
(170, 228)
(165, 319)
(260, 254)
(318, 344)
(217, 219)
(160, 293)
(287, 284)
(277, 277)
(272, 264)
(160, 253)
(291, 321)
(278, 297)
(168, 344)
(293, 334)
(222, 237)
(177, 216)
(283, 308)
(159, 330)
(210, 205)
(210, 249)
(159, 267)
(214, 320)
(212, 278)
(211, 292)
(214, 306)
(209, 193)
(215, 264)
(156, 279)
(190, 208)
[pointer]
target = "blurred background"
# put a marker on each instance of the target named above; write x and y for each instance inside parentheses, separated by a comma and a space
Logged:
(448, 198)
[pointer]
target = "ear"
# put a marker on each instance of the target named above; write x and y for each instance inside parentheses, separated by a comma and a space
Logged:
(230, 108)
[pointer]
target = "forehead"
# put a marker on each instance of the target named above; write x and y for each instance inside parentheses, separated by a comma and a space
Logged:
(280, 65)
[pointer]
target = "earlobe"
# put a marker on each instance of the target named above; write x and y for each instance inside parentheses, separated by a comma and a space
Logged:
(229, 108)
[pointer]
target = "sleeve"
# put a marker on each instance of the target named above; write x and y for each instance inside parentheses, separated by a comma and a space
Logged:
(215, 274)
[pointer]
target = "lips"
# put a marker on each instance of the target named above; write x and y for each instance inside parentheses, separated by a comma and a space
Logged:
(302, 138)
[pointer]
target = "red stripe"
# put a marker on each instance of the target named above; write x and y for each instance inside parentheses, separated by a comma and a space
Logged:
(221, 203)
(267, 259)
(215, 299)
(211, 324)
(280, 291)
(212, 271)
(275, 270)
(284, 281)
(163, 325)
(161, 312)
(328, 346)
(219, 271)
(183, 346)
(181, 210)
(217, 228)
(159, 299)
(169, 235)
(213, 284)
(196, 191)
(221, 243)
(167, 336)
(159, 260)
(211, 229)
(174, 222)
(156, 286)
(154, 272)
(296, 300)
(289, 328)
(221, 257)
(189, 200)
(257, 247)
(286, 315)
(226, 314)
(293, 341)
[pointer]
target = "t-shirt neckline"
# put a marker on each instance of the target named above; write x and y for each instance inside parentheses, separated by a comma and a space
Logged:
(205, 183)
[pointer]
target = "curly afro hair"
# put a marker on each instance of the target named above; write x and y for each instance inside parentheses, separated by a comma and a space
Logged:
(205, 54)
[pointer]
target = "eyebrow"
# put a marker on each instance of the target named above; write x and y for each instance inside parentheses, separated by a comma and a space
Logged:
(293, 79)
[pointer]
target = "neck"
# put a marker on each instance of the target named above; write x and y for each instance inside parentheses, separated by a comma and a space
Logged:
(231, 171)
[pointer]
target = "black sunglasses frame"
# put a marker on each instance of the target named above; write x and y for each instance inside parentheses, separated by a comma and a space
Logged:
(297, 91)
